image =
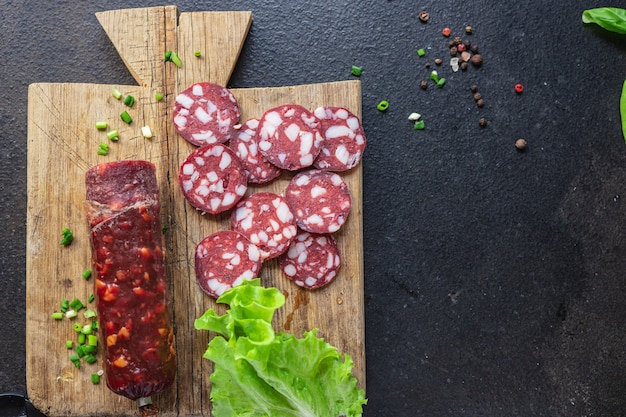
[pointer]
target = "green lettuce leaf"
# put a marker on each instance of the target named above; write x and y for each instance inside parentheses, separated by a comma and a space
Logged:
(610, 18)
(260, 373)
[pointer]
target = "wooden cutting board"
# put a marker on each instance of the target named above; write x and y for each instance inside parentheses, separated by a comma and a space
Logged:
(63, 144)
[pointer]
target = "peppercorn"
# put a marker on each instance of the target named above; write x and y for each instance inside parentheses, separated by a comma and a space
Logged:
(474, 49)
(469, 29)
(453, 51)
(424, 84)
(519, 88)
(427, 65)
(465, 56)
(482, 122)
(477, 60)
(480, 102)
(460, 47)
(438, 61)
(474, 88)
(477, 96)
(450, 44)
(463, 66)
(423, 16)
(446, 32)
(457, 40)
(467, 43)
(520, 144)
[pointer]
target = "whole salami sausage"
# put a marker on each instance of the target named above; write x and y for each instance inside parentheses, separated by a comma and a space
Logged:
(206, 113)
(122, 206)
(312, 260)
(320, 200)
(290, 137)
(344, 139)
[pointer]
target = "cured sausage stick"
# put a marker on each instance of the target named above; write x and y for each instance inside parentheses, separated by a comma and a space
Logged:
(122, 208)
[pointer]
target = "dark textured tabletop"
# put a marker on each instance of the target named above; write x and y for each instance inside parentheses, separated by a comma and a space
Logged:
(494, 278)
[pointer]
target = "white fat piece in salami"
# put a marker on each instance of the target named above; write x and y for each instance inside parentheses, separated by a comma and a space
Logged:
(224, 260)
(290, 137)
(344, 139)
(267, 221)
(320, 200)
(312, 260)
(206, 113)
(245, 143)
(213, 179)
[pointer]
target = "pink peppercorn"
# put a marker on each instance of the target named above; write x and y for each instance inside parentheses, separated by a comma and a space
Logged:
(519, 88)
(461, 47)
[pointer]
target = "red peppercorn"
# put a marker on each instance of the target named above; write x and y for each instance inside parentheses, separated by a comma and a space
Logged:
(446, 32)
(461, 47)
(519, 88)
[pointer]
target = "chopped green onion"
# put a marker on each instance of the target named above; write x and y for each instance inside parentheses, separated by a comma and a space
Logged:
(356, 71)
(146, 132)
(421, 52)
(101, 125)
(126, 117)
(414, 117)
(77, 327)
(383, 105)
(434, 76)
(70, 314)
(168, 56)
(116, 93)
(87, 349)
(94, 325)
(95, 379)
(89, 314)
(440, 82)
(158, 96)
(67, 236)
(103, 149)
(77, 305)
(75, 359)
(90, 358)
(65, 305)
(87, 273)
(176, 59)
(113, 135)
(419, 125)
(79, 351)
(91, 298)
(129, 100)
(164, 229)
(86, 329)
(82, 337)
(57, 315)
(198, 54)
(69, 344)
(92, 340)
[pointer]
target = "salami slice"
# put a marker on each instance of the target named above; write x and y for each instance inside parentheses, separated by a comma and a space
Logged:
(344, 139)
(245, 143)
(312, 260)
(206, 113)
(122, 208)
(266, 219)
(320, 200)
(224, 260)
(212, 178)
(290, 137)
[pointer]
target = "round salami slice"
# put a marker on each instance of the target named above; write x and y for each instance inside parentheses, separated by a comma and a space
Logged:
(212, 178)
(245, 143)
(312, 260)
(320, 200)
(206, 113)
(344, 139)
(267, 221)
(290, 137)
(224, 260)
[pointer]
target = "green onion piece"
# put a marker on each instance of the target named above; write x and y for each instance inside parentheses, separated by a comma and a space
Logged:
(158, 96)
(70, 314)
(176, 60)
(168, 56)
(356, 71)
(91, 298)
(103, 149)
(421, 52)
(441, 82)
(434, 76)
(77, 305)
(101, 125)
(79, 351)
(383, 105)
(89, 314)
(65, 305)
(87, 349)
(90, 358)
(67, 236)
(126, 117)
(95, 379)
(94, 325)
(86, 329)
(57, 315)
(164, 229)
(198, 54)
(419, 125)
(146, 132)
(622, 109)
(82, 337)
(116, 93)
(87, 273)
(113, 135)
(77, 327)
(69, 344)
(75, 360)
(92, 340)
(129, 100)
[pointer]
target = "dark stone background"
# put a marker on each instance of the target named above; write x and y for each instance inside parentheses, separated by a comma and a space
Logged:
(494, 279)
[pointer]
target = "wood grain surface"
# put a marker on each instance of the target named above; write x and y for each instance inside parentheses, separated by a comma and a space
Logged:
(63, 144)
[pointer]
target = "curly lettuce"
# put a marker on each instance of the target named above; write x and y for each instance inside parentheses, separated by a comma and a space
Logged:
(258, 372)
